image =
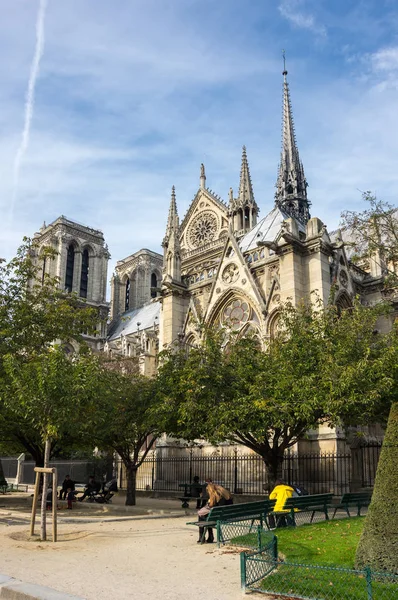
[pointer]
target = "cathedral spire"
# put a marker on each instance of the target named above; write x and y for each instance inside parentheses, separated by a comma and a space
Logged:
(171, 243)
(291, 185)
(202, 177)
(243, 210)
(172, 220)
(246, 196)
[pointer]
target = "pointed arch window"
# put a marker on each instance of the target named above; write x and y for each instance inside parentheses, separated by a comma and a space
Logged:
(127, 298)
(70, 265)
(154, 285)
(84, 274)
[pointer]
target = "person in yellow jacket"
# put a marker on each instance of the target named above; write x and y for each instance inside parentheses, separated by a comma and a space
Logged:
(280, 493)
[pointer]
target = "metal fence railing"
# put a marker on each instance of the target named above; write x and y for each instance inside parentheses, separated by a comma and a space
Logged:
(246, 473)
(79, 470)
(261, 573)
(166, 468)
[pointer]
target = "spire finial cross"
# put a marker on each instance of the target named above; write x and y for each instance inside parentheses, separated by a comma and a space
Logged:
(284, 63)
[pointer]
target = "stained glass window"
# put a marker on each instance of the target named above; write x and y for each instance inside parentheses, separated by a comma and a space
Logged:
(236, 314)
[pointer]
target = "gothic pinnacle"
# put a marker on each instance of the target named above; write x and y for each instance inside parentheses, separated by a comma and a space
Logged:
(245, 194)
(202, 177)
(172, 220)
(291, 185)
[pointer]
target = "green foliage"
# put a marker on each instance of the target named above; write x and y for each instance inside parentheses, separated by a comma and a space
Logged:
(50, 392)
(319, 366)
(34, 313)
(379, 542)
(126, 419)
(375, 232)
(374, 236)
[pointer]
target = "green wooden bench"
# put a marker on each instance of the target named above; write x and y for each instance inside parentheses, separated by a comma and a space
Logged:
(312, 503)
(358, 499)
(232, 513)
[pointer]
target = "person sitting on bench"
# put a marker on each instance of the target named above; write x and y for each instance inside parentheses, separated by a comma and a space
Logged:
(196, 491)
(281, 493)
(218, 496)
(91, 488)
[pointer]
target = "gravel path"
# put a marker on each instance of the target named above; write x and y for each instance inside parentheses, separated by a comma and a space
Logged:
(132, 558)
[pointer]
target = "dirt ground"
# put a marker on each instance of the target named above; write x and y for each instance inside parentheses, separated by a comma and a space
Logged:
(102, 556)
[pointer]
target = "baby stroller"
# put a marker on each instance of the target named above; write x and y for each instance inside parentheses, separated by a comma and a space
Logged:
(109, 489)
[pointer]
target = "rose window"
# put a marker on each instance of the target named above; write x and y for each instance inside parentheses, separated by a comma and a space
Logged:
(203, 229)
(230, 273)
(236, 314)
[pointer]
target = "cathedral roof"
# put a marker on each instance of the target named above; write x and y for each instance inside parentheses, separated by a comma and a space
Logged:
(135, 320)
(351, 245)
(267, 229)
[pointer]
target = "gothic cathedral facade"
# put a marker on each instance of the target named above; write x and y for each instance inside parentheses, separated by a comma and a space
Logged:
(221, 265)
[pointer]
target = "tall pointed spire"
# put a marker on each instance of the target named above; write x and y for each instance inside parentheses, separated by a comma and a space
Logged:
(202, 177)
(246, 196)
(171, 243)
(172, 220)
(243, 210)
(291, 185)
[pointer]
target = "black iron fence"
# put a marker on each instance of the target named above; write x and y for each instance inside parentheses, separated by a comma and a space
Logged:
(320, 473)
(165, 469)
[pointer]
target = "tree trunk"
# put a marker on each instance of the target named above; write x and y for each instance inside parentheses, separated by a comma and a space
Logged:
(377, 547)
(131, 472)
(273, 465)
(43, 528)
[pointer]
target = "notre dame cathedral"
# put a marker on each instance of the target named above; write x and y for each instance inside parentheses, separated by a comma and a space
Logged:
(222, 264)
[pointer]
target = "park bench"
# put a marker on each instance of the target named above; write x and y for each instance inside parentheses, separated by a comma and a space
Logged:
(312, 503)
(185, 499)
(358, 499)
(248, 511)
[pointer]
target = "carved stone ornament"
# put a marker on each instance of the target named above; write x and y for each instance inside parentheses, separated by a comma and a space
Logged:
(343, 278)
(230, 273)
(236, 314)
(203, 229)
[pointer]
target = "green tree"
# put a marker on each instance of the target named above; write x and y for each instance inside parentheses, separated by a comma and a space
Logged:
(378, 545)
(375, 233)
(55, 394)
(127, 419)
(373, 236)
(267, 400)
(34, 312)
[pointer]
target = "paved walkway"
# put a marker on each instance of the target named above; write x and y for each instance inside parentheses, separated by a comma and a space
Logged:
(121, 556)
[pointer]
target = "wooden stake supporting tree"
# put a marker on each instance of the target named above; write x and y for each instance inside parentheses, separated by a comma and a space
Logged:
(45, 471)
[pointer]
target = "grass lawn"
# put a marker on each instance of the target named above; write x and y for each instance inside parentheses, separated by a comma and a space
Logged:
(323, 551)
(330, 543)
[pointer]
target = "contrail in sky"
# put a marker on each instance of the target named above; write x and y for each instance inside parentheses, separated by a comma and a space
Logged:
(30, 99)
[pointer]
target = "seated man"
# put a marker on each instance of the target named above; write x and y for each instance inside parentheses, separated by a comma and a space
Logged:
(109, 489)
(91, 488)
(281, 493)
(196, 491)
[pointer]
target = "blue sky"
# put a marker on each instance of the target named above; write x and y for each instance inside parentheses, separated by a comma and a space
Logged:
(132, 95)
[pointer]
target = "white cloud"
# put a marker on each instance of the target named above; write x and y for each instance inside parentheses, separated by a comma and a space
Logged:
(385, 59)
(131, 101)
(294, 11)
